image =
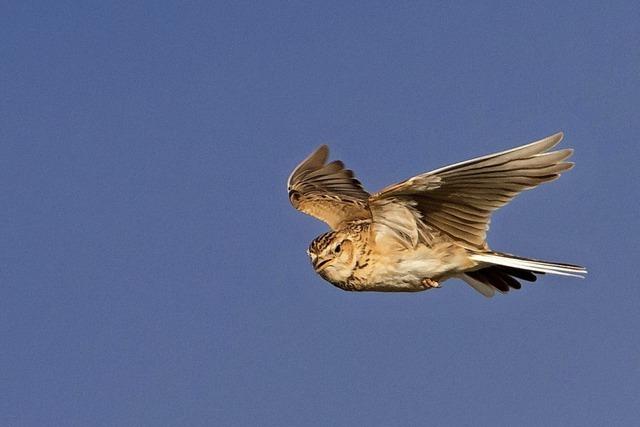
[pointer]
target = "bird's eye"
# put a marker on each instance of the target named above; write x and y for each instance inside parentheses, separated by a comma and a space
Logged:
(337, 249)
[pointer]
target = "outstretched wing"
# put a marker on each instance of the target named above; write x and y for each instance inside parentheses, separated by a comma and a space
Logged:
(458, 200)
(327, 191)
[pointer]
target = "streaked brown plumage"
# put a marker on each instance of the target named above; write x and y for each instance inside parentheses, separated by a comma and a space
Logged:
(415, 234)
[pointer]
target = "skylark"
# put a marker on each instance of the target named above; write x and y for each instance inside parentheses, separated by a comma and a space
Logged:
(414, 235)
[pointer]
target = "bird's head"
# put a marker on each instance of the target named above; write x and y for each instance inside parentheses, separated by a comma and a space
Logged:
(332, 256)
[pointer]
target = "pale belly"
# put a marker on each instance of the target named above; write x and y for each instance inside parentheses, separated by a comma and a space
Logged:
(406, 270)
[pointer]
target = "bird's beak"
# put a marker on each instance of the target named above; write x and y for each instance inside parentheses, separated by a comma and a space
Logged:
(318, 264)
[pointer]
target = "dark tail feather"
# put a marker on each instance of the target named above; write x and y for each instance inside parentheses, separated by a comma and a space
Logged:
(487, 280)
(502, 270)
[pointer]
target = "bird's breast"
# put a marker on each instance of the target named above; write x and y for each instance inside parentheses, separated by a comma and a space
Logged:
(405, 269)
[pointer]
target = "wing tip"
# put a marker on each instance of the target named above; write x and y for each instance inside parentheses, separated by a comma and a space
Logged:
(550, 141)
(320, 155)
(316, 159)
(324, 148)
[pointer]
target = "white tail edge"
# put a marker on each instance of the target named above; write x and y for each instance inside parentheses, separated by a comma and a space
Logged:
(530, 264)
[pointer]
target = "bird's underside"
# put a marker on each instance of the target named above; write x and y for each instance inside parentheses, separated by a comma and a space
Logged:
(413, 235)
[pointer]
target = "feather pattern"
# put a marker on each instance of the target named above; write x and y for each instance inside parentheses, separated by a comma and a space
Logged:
(327, 191)
(458, 200)
(532, 265)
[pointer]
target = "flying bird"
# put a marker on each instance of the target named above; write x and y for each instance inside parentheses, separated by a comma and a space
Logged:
(414, 235)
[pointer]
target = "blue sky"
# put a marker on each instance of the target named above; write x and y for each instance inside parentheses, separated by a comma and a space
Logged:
(152, 271)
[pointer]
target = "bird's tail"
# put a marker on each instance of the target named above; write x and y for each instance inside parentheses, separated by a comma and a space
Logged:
(533, 265)
(501, 271)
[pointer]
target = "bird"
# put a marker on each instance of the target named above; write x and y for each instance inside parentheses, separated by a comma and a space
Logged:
(414, 235)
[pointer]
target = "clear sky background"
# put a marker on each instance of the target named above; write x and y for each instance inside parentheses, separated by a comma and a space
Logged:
(152, 271)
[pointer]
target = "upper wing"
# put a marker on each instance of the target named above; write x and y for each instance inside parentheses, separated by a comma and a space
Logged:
(328, 192)
(458, 200)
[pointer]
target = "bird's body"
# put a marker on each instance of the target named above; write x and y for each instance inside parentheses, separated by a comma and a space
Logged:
(388, 268)
(414, 235)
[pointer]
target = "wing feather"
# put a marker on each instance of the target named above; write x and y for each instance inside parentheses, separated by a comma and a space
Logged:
(458, 200)
(327, 191)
